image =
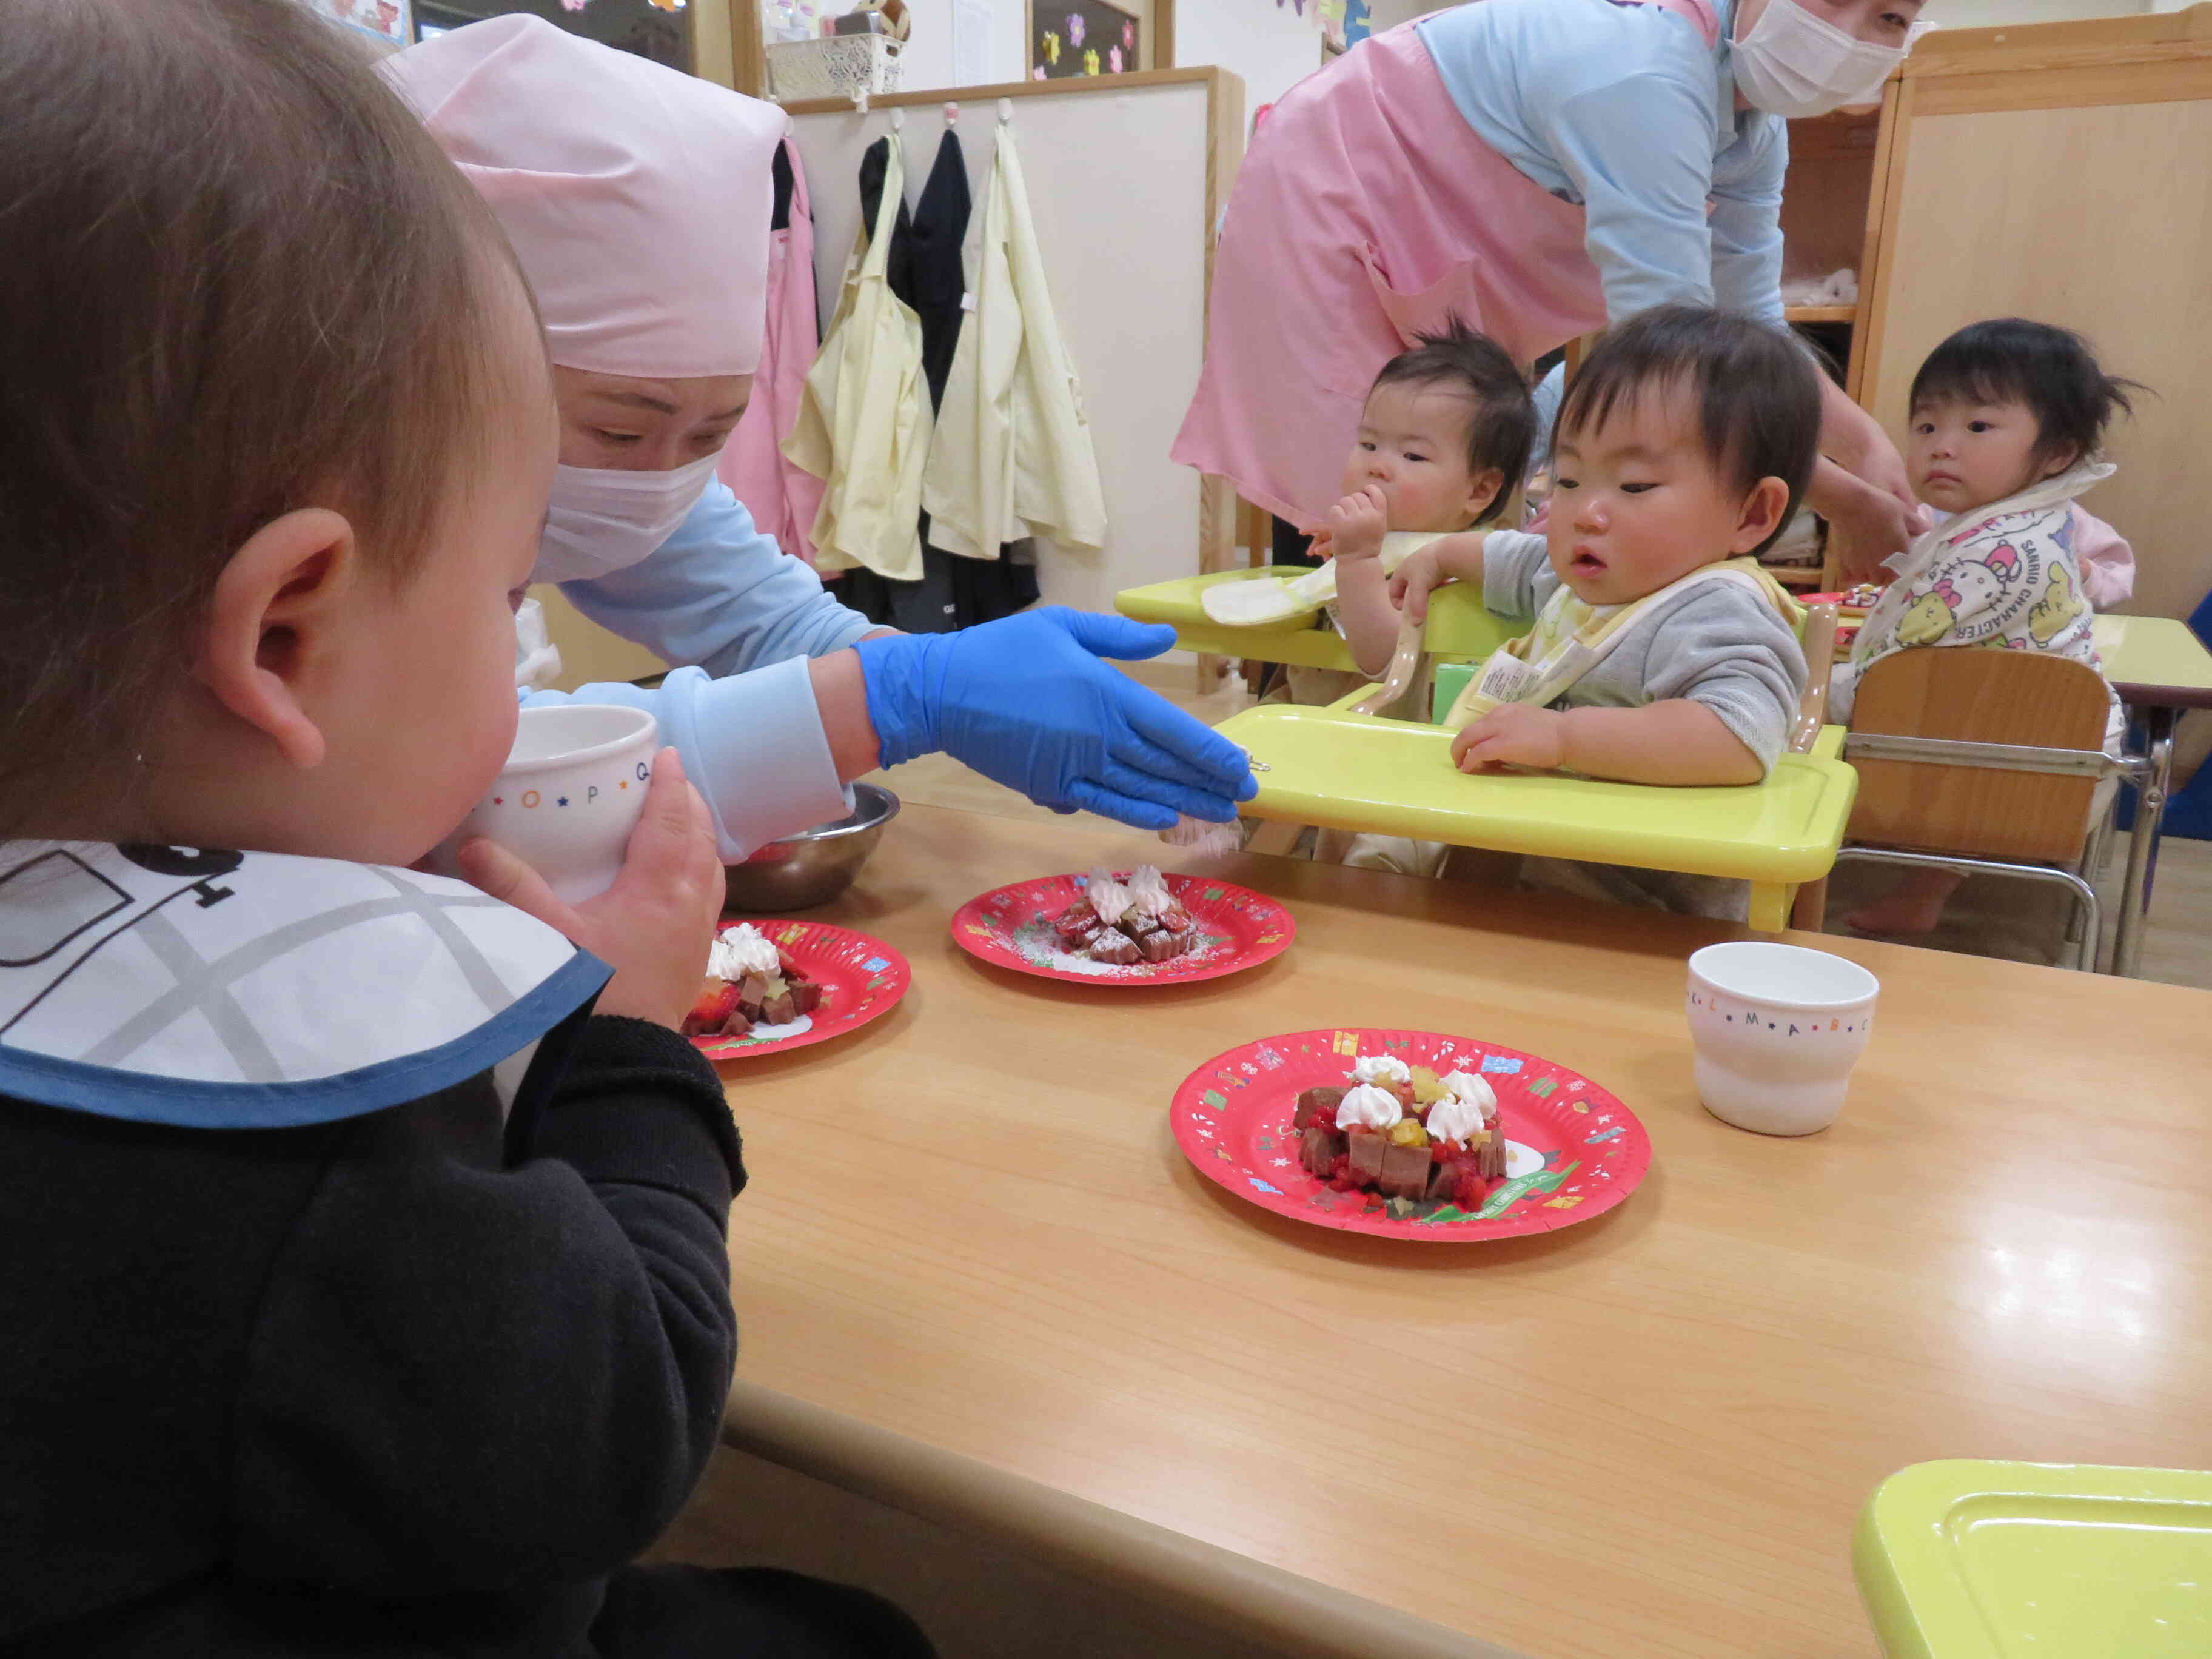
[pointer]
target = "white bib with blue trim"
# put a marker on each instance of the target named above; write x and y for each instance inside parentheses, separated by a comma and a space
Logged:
(226, 990)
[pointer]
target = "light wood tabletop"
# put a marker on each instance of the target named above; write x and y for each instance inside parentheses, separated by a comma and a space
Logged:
(2155, 661)
(970, 1241)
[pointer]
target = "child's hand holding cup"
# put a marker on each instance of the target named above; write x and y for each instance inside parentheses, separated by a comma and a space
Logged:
(592, 832)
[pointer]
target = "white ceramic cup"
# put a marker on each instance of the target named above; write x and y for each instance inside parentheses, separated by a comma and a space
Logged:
(569, 795)
(1777, 1030)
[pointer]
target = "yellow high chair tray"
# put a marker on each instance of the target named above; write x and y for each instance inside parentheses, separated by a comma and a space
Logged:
(1347, 771)
(1963, 1560)
(1458, 624)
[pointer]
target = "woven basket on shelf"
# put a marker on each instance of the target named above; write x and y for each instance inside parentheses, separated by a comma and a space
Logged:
(837, 66)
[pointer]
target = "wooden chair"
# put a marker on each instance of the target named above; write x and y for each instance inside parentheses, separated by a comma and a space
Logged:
(1980, 759)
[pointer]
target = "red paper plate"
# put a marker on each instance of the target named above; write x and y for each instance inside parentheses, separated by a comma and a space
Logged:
(1011, 927)
(862, 977)
(1573, 1151)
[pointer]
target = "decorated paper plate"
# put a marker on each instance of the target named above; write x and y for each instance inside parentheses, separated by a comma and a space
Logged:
(1235, 929)
(860, 978)
(1573, 1150)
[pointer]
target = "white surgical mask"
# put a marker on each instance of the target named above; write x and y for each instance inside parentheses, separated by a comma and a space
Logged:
(1793, 63)
(601, 520)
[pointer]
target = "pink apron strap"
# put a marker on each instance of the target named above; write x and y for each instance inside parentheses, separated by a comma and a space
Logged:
(1699, 14)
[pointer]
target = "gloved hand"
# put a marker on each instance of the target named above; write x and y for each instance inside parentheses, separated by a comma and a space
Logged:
(1027, 702)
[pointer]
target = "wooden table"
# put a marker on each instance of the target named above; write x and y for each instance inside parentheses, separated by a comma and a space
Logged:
(976, 1277)
(2160, 668)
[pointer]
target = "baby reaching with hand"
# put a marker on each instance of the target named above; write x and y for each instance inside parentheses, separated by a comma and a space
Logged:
(1660, 652)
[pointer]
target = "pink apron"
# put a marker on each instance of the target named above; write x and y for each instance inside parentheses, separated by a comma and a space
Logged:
(782, 498)
(1367, 210)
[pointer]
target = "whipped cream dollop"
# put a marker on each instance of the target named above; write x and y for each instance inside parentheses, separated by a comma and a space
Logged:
(1368, 1107)
(1380, 1068)
(1106, 896)
(1471, 1105)
(744, 949)
(1148, 891)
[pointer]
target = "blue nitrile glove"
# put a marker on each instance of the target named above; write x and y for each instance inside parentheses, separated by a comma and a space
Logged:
(1026, 701)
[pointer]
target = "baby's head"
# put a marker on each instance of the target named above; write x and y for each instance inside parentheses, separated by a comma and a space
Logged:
(1445, 432)
(1688, 435)
(276, 432)
(2003, 404)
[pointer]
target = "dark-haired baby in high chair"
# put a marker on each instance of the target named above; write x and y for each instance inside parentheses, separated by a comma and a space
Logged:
(1660, 651)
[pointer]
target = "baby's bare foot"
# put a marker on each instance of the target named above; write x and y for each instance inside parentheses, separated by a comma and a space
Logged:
(1913, 907)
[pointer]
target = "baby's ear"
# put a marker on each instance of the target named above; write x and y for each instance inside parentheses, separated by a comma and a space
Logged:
(277, 608)
(1482, 490)
(1760, 515)
(2059, 459)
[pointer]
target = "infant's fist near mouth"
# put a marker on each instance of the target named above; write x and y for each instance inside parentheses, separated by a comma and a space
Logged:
(1357, 523)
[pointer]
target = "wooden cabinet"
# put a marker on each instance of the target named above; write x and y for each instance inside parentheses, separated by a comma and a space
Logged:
(2061, 172)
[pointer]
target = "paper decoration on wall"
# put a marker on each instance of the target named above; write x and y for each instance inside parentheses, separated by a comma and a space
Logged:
(1080, 41)
(387, 20)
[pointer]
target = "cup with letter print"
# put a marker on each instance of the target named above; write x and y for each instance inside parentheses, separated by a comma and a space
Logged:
(1776, 1030)
(568, 796)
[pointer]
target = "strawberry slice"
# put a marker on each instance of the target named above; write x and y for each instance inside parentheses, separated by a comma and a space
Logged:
(718, 1000)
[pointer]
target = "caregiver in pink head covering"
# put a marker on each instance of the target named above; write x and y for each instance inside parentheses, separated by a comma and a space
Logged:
(638, 200)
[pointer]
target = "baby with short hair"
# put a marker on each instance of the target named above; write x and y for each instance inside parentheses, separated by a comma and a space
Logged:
(1660, 652)
(381, 1300)
(1444, 441)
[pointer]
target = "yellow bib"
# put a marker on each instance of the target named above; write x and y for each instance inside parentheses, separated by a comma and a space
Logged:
(1573, 636)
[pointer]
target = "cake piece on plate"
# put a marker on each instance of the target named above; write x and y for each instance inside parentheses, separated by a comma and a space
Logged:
(1403, 1131)
(1125, 923)
(750, 982)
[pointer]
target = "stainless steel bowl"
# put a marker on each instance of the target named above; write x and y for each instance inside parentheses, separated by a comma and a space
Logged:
(815, 866)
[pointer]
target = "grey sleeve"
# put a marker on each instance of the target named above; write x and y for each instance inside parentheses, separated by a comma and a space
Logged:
(1727, 648)
(1517, 573)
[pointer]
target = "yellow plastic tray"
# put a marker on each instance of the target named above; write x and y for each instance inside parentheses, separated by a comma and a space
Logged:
(1458, 625)
(1346, 771)
(1979, 1560)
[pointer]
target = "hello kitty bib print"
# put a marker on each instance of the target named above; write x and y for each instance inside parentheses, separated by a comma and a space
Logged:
(2001, 575)
(216, 989)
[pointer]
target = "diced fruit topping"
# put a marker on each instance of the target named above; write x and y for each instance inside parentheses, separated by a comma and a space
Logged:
(718, 1000)
(1428, 1088)
(1407, 1132)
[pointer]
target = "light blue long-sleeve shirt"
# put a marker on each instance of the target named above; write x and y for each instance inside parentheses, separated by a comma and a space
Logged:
(739, 618)
(1622, 109)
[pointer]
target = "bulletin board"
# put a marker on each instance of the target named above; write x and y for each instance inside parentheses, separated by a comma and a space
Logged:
(1126, 178)
(1070, 39)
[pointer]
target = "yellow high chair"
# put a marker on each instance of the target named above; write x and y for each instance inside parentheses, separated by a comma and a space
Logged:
(1459, 627)
(1343, 767)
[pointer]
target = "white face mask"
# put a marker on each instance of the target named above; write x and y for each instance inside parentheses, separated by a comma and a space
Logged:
(605, 519)
(1793, 63)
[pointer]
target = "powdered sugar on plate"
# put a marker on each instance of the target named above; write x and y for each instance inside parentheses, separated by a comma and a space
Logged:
(1038, 941)
(1012, 926)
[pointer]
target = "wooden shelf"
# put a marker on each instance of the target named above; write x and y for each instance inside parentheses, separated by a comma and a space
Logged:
(1807, 576)
(1820, 314)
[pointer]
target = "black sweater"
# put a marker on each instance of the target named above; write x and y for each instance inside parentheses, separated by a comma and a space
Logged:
(361, 1387)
